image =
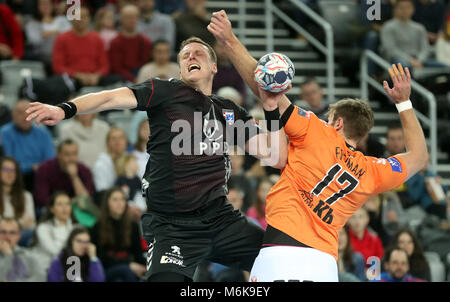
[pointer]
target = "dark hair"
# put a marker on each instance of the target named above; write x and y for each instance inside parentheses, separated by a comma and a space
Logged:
(309, 80)
(17, 190)
(37, 14)
(357, 115)
(106, 228)
(67, 141)
(141, 141)
(392, 249)
(211, 51)
(159, 41)
(258, 203)
(417, 258)
(397, 2)
(347, 255)
(68, 252)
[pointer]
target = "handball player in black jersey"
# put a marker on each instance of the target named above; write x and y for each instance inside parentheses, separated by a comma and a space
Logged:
(189, 218)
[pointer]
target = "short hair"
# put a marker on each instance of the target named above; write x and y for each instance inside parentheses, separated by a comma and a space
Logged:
(392, 249)
(357, 115)
(211, 51)
(309, 80)
(394, 126)
(67, 141)
(159, 41)
(397, 2)
(11, 219)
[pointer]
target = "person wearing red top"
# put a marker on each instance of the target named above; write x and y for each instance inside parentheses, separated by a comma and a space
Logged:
(11, 36)
(130, 50)
(361, 239)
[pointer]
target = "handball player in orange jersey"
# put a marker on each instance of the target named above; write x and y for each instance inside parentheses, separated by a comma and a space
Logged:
(325, 180)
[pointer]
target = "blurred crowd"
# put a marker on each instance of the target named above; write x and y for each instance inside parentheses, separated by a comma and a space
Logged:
(75, 189)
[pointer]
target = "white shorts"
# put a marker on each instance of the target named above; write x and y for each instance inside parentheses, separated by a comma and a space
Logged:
(291, 263)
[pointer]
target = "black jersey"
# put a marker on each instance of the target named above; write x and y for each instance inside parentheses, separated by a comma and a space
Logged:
(188, 144)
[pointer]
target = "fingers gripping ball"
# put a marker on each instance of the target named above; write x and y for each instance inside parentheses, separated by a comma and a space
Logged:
(274, 72)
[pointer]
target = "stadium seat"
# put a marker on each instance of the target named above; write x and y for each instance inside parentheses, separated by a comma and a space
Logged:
(13, 73)
(119, 119)
(437, 268)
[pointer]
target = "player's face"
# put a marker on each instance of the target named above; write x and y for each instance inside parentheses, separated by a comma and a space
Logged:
(196, 63)
(398, 264)
(406, 242)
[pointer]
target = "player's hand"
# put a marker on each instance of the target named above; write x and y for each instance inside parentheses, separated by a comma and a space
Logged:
(47, 114)
(270, 99)
(220, 27)
(402, 84)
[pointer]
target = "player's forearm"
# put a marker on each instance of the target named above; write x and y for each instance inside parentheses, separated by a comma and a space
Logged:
(414, 137)
(104, 100)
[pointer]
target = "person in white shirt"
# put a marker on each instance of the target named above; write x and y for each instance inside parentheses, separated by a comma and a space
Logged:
(443, 47)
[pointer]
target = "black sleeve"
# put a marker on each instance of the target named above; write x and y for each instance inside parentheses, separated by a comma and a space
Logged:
(153, 92)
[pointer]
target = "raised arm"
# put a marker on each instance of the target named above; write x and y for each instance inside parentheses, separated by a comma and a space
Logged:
(120, 98)
(416, 155)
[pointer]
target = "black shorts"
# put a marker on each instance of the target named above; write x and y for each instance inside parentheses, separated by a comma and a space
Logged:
(216, 233)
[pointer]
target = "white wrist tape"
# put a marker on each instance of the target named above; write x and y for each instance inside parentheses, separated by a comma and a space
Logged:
(406, 105)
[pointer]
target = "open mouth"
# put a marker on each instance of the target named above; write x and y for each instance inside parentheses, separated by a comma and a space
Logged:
(194, 67)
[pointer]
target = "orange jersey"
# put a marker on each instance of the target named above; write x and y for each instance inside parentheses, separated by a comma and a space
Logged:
(324, 182)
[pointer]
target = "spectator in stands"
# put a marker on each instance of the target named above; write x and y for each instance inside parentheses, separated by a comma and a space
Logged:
(161, 66)
(239, 179)
(54, 228)
(80, 53)
(371, 146)
(117, 239)
(5, 112)
(15, 201)
(170, 7)
(78, 245)
(386, 215)
(443, 46)
(130, 49)
(362, 240)
(231, 94)
(227, 75)
(351, 264)
(26, 143)
(397, 267)
(17, 264)
(107, 164)
(430, 13)
(406, 239)
(130, 183)
(133, 127)
(11, 37)
(63, 173)
(193, 22)
(42, 30)
(395, 142)
(258, 210)
(89, 133)
(155, 25)
(312, 93)
(405, 41)
(105, 25)
(140, 148)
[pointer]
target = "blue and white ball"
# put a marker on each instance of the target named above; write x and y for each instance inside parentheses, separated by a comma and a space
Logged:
(274, 72)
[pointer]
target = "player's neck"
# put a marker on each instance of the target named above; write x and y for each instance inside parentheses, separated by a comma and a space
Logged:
(349, 141)
(203, 86)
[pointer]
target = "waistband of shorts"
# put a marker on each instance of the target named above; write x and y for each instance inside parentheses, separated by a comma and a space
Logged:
(275, 237)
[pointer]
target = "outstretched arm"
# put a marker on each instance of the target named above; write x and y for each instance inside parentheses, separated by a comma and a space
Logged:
(120, 98)
(416, 155)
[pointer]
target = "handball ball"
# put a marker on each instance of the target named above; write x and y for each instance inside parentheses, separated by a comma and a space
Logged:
(274, 72)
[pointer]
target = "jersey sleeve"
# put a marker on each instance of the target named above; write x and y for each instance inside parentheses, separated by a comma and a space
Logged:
(296, 122)
(388, 174)
(152, 92)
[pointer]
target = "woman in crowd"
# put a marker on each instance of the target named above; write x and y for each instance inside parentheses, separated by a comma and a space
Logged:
(15, 201)
(140, 148)
(258, 210)
(351, 265)
(78, 251)
(118, 240)
(105, 25)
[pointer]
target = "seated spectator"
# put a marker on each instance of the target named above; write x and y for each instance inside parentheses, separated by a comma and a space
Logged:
(80, 53)
(312, 94)
(430, 13)
(15, 201)
(161, 66)
(89, 133)
(78, 245)
(156, 25)
(386, 215)
(193, 22)
(443, 47)
(63, 173)
(258, 210)
(395, 142)
(42, 30)
(17, 264)
(227, 75)
(405, 41)
(231, 94)
(26, 143)
(351, 264)
(118, 240)
(105, 25)
(106, 165)
(362, 240)
(406, 239)
(239, 179)
(130, 183)
(170, 7)
(397, 267)
(130, 49)
(11, 37)
(370, 146)
(140, 148)
(54, 228)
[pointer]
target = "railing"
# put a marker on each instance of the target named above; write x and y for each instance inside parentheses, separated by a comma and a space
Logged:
(430, 121)
(327, 49)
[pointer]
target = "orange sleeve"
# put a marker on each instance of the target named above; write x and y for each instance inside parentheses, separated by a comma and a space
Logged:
(388, 173)
(297, 123)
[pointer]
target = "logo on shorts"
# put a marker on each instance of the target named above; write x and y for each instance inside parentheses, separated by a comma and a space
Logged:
(175, 250)
(173, 257)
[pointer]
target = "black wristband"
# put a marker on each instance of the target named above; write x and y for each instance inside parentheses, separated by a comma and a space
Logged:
(70, 109)
(270, 116)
